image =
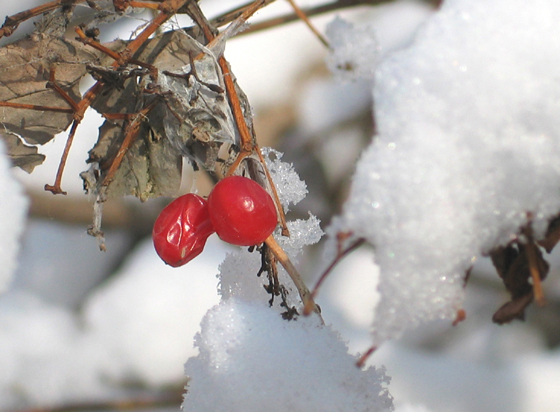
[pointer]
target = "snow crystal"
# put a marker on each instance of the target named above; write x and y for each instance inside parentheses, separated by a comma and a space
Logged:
(468, 144)
(13, 211)
(291, 189)
(354, 49)
(252, 360)
(302, 233)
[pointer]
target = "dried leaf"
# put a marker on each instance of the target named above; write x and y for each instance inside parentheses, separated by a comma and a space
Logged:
(512, 264)
(514, 309)
(24, 156)
(552, 235)
(25, 68)
(150, 168)
(24, 72)
(191, 116)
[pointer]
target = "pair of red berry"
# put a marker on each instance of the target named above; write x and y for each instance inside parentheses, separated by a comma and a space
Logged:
(239, 210)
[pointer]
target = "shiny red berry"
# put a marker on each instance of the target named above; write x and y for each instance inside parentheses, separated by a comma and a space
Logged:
(242, 212)
(181, 230)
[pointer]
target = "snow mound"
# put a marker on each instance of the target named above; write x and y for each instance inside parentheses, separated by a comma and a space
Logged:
(253, 360)
(468, 145)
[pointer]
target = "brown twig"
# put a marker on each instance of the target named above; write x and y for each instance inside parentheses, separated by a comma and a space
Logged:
(285, 261)
(12, 22)
(36, 107)
(535, 273)
(363, 359)
(231, 15)
(56, 189)
(303, 17)
(341, 253)
(168, 8)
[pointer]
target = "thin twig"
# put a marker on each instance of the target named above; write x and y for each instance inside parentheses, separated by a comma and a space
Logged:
(56, 189)
(535, 273)
(363, 359)
(12, 22)
(339, 256)
(231, 15)
(303, 17)
(36, 107)
(285, 261)
(248, 144)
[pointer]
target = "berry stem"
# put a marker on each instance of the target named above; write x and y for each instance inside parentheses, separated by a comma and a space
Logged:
(285, 261)
(248, 144)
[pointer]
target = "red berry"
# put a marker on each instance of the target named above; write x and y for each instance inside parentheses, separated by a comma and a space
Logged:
(181, 230)
(242, 212)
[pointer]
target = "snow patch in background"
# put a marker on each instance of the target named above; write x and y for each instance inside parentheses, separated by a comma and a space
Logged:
(468, 144)
(136, 328)
(354, 50)
(13, 212)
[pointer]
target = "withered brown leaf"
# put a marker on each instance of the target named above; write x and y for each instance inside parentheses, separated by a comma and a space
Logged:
(23, 156)
(552, 236)
(25, 68)
(191, 116)
(512, 264)
(150, 168)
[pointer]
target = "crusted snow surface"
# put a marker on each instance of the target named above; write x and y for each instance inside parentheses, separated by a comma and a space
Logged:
(467, 146)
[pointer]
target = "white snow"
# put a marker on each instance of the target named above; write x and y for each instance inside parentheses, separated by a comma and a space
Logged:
(253, 360)
(466, 129)
(138, 327)
(291, 189)
(467, 145)
(13, 212)
(354, 49)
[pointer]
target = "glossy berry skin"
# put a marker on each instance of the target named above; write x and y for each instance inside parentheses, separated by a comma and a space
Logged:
(181, 230)
(242, 212)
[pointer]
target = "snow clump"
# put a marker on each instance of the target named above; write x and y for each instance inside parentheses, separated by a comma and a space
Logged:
(468, 144)
(354, 50)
